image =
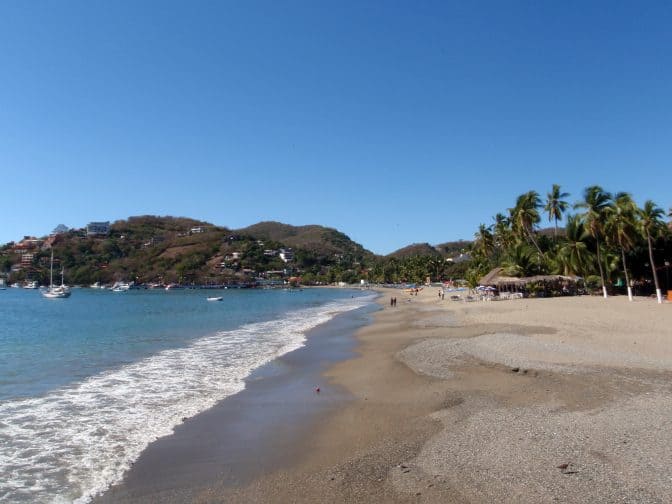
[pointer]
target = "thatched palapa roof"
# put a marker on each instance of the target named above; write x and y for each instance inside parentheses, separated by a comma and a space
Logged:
(495, 277)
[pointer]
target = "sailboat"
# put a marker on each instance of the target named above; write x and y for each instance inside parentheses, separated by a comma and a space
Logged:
(58, 291)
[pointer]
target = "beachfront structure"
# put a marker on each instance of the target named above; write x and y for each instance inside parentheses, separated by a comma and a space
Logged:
(98, 228)
(546, 285)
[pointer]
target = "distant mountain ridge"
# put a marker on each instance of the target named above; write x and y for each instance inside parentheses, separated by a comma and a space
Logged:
(312, 237)
(415, 249)
(447, 249)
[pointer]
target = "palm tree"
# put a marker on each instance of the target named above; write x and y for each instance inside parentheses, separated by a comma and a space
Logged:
(437, 264)
(621, 228)
(555, 206)
(502, 231)
(651, 223)
(596, 201)
(574, 254)
(519, 260)
(485, 243)
(525, 215)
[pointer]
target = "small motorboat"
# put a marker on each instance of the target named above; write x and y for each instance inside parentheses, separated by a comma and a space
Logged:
(215, 298)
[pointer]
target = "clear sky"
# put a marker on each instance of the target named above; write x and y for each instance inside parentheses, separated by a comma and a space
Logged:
(394, 122)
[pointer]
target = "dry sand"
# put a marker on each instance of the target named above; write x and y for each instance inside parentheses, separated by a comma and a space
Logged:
(548, 400)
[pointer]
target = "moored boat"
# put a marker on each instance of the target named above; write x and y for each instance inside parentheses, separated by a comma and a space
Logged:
(121, 287)
(56, 291)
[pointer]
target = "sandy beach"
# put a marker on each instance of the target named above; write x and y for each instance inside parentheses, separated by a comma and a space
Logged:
(529, 400)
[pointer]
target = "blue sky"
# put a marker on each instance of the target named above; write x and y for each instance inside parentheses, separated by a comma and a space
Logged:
(395, 122)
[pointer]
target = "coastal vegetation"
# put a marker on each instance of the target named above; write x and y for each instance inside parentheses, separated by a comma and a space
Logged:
(607, 239)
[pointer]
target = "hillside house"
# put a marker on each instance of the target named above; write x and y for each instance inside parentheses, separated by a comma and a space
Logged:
(98, 228)
(286, 255)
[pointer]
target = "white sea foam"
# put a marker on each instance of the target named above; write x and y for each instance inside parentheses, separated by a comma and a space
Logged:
(75, 442)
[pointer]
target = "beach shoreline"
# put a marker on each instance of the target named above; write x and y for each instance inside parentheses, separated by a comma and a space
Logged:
(533, 400)
(249, 433)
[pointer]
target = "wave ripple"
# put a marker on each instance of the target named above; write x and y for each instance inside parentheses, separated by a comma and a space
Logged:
(73, 443)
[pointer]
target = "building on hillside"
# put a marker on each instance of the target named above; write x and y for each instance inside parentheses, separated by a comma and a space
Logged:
(60, 229)
(273, 274)
(154, 240)
(198, 229)
(27, 259)
(270, 253)
(28, 243)
(98, 228)
(286, 255)
(459, 258)
(50, 241)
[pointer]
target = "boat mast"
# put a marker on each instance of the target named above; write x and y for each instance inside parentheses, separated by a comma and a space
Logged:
(51, 270)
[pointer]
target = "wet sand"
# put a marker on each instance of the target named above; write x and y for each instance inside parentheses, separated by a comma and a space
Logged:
(251, 433)
(549, 400)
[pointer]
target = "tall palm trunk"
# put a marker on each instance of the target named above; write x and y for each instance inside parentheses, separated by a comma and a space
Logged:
(534, 242)
(599, 264)
(627, 278)
(659, 294)
(555, 231)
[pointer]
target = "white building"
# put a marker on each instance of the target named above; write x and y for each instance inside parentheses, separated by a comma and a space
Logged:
(286, 255)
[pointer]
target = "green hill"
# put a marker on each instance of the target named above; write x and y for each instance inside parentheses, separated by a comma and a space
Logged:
(416, 249)
(319, 240)
(158, 249)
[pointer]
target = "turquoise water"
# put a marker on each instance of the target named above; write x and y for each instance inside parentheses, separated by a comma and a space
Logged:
(87, 382)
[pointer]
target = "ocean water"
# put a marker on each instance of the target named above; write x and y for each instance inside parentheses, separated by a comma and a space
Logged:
(86, 383)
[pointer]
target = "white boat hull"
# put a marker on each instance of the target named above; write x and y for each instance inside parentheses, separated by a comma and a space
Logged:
(56, 293)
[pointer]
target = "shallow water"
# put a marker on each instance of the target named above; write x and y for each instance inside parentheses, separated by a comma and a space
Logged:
(88, 382)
